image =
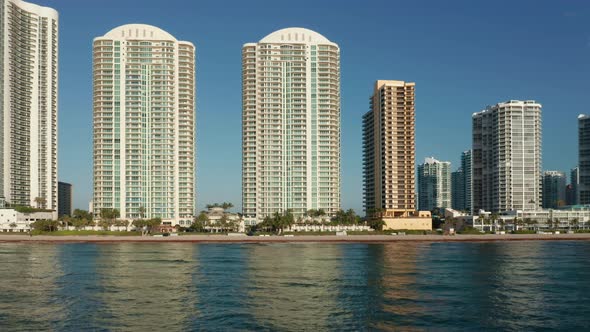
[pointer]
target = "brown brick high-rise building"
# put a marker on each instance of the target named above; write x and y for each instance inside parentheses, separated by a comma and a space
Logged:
(389, 151)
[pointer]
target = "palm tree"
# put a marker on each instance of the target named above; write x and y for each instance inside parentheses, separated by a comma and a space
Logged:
(576, 223)
(40, 201)
(493, 220)
(141, 211)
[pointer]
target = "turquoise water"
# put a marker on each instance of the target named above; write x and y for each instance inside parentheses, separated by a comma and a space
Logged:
(301, 287)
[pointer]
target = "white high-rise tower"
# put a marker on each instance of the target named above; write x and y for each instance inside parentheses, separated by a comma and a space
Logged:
(144, 124)
(28, 104)
(506, 157)
(290, 124)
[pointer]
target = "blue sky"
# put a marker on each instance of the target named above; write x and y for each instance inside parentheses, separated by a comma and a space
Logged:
(463, 55)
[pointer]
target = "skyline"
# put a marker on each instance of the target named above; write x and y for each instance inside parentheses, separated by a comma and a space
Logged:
(440, 106)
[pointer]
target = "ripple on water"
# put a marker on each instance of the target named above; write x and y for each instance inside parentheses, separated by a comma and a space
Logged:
(176, 287)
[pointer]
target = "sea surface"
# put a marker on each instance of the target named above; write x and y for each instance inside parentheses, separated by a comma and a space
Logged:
(513, 286)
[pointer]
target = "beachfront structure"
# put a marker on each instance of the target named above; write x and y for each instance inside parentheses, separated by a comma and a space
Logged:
(389, 157)
(144, 124)
(290, 125)
(553, 189)
(506, 159)
(64, 192)
(583, 191)
(12, 221)
(28, 104)
(434, 184)
(388, 148)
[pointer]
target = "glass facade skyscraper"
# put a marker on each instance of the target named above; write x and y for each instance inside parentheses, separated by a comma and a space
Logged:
(434, 184)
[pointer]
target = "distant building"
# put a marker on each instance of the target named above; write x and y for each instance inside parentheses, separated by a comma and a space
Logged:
(553, 189)
(458, 190)
(572, 194)
(506, 160)
(64, 193)
(28, 104)
(461, 184)
(584, 159)
(434, 184)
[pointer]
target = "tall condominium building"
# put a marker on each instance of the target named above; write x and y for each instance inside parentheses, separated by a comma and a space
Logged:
(553, 189)
(506, 160)
(290, 124)
(461, 184)
(144, 124)
(434, 184)
(583, 192)
(458, 190)
(389, 150)
(64, 192)
(28, 104)
(572, 193)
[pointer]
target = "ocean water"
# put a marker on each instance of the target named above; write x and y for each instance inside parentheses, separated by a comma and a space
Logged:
(513, 286)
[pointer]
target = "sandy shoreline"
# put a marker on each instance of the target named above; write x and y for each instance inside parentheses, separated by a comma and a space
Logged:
(294, 239)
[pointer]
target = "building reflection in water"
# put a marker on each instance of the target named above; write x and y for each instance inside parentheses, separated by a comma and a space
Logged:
(294, 286)
(393, 281)
(28, 276)
(146, 285)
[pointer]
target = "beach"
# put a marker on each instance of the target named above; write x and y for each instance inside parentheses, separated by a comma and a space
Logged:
(294, 239)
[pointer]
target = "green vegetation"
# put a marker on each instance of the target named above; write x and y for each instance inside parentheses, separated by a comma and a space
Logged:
(28, 209)
(147, 225)
(347, 217)
(224, 205)
(376, 223)
(275, 224)
(470, 231)
(315, 213)
(45, 225)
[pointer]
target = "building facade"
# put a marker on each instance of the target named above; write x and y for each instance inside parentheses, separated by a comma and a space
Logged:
(290, 125)
(506, 160)
(583, 159)
(64, 192)
(28, 104)
(457, 190)
(434, 184)
(572, 191)
(553, 189)
(13, 221)
(461, 184)
(144, 124)
(389, 149)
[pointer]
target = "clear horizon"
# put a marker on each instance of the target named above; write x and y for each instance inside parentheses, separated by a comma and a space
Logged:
(462, 56)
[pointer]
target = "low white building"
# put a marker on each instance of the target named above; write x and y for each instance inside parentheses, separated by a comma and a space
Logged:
(531, 220)
(329, 228)
(20, 222)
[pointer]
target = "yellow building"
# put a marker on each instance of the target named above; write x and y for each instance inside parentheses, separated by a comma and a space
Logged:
(411, 220)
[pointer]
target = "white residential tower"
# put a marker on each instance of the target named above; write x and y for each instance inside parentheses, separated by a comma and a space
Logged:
(28, 104)
(290, 124)
(144, 124)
